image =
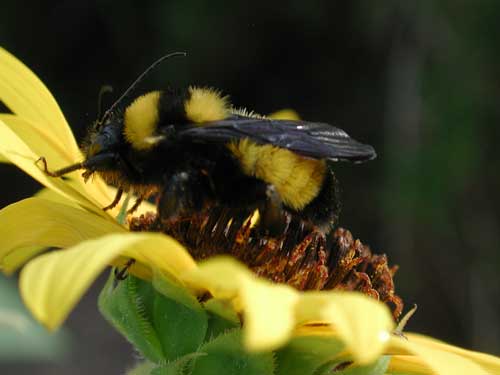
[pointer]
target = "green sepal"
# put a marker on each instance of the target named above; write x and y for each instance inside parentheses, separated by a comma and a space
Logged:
(377, 368)
(221, 318)
(122, 215)
(179, 319)
(226, 355)
(306, 354)
(168, 287)
(181, 366)
(126, 305)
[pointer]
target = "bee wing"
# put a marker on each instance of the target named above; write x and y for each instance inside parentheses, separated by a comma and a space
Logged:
(311, 139)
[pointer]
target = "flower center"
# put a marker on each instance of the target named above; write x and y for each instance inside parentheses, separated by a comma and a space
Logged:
(300, 257)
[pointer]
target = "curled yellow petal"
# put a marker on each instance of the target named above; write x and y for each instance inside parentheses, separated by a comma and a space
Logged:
(221, 276)
(269, 314)
(408, 364)
(438, 361)
(23, 92)
(268, 310)
(486, 361)
(42, 223)
(272, 313)
(362, 323)
(52, 283)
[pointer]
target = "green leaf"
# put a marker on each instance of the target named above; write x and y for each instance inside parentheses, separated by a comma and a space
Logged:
(221, 318)
(180, 366)
(305, 355)
(225, 355)
(179, 319)
(125, 305)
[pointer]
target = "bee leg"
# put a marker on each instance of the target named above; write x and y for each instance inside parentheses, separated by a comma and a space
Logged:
(60, 172)
(322, 212)
(182, 195)
(121, 275)
(136, 205)
(273, 218)
(97, 162)
(113, 204)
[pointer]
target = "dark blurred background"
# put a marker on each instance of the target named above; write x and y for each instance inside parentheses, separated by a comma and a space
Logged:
(419, 80)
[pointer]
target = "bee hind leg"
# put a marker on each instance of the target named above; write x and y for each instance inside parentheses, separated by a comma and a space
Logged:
(184, 193)
(273, 218)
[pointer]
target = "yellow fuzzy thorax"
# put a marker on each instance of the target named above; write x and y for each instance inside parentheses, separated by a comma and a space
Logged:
(205, 105)
(297, 179)
(141, 119)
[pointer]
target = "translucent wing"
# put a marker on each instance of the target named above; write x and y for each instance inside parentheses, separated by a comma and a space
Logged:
(311, 139)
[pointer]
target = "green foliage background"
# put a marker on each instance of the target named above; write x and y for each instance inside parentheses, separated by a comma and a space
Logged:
(420, 81)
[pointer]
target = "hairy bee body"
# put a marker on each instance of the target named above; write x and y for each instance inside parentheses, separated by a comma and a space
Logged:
(194, 151)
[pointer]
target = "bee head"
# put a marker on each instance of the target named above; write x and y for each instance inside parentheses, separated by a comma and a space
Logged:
(101, 147)
(104, 139)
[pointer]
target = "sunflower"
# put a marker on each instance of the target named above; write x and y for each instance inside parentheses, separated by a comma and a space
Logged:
(184, 316)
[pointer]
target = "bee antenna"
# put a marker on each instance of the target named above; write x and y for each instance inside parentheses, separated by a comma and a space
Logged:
(137, 81)
(104, 90)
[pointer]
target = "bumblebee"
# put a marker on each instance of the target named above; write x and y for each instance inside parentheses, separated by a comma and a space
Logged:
(194, 151)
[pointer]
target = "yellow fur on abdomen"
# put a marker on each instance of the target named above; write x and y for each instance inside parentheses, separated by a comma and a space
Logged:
(297, 179)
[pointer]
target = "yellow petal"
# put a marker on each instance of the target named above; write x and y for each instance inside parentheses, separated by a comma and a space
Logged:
(268, 309)
(54, 196)
(408, 364)
(272, 312)
(27, 140)
(269, 314)
(361, 322)
(23, 92)
(94, 195)
(161, 252)
(41, 126)
(43, 223)
(12, 261)
(103, 194)
(439, 361)
(486, 361)
(285, 114)
(52, 284)
(221, 276)
(23, 157)
(40, 140)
